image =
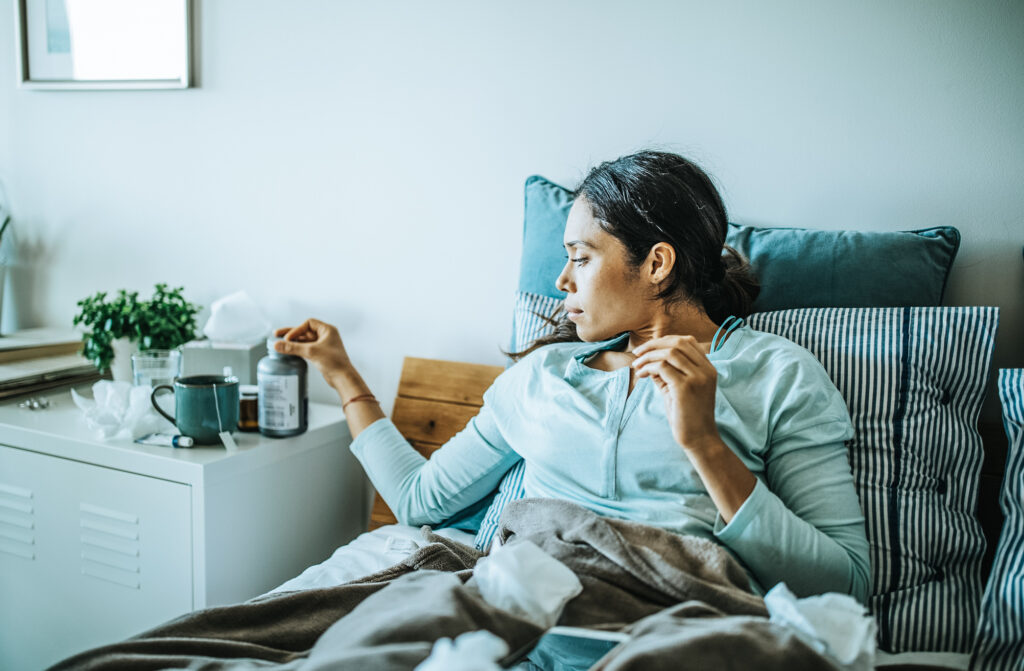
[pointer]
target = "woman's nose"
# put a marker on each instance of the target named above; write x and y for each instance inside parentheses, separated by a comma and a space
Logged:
(562, 283)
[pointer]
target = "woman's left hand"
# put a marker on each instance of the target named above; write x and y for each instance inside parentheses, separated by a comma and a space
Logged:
(682, 371)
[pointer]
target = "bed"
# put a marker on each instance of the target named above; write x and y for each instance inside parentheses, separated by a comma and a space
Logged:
(913, 373)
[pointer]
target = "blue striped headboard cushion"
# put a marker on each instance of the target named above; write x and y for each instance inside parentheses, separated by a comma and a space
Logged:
(528, 324)
(999, 644)
(528, 318)
(914, 380)
(510, 489)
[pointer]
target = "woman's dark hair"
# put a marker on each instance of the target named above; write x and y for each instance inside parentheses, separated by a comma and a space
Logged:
(651, 197)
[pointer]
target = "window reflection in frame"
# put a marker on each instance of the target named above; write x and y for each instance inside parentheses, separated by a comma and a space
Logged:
(104, 44)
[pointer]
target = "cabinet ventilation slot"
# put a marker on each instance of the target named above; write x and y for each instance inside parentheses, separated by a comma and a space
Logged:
(17, 522)
(19, 492)
(111, 575)
(130, 534)
(119, 546)
(110, 545)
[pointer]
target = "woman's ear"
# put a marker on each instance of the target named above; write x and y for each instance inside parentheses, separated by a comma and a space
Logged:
(660, 262)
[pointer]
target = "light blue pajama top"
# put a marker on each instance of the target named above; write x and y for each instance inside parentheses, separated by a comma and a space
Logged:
(585, 439)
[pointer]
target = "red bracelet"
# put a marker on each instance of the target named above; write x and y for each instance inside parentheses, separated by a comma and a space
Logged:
(361, 397)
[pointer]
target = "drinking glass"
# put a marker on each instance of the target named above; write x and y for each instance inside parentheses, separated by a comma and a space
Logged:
(154, 367)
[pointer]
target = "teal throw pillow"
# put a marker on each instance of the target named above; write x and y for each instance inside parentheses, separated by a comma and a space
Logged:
(797, 267)
(802, 267)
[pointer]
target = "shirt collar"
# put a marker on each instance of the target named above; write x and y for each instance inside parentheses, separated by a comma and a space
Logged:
(586, 352)
(724, 351)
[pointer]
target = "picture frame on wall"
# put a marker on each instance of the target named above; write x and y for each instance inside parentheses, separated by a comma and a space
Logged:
(104, 44)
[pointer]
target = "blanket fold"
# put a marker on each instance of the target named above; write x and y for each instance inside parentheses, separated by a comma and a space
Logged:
(694, 635)
(628, 570)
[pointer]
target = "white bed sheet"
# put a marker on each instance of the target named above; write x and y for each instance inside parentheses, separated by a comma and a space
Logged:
(370, 552)
(387, 545)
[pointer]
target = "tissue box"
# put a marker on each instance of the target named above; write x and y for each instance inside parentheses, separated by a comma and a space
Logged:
(206, 357)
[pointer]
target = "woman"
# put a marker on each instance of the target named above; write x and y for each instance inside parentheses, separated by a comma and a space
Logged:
(652, 402)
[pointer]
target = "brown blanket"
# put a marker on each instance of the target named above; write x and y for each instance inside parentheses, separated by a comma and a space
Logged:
(706, 638)
(631, 574)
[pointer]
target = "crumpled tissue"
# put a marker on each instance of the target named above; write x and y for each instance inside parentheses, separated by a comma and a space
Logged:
(522, 579)
(834, 624)
(472, 651)
(119, 409)
(236, 318)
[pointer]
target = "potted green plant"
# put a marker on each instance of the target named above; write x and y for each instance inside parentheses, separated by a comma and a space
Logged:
(165, 321)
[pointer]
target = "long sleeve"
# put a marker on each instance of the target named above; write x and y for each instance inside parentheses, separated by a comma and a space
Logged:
(804, 526)
(427, 491)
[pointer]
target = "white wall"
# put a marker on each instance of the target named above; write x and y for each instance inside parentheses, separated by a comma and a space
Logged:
(364, 162)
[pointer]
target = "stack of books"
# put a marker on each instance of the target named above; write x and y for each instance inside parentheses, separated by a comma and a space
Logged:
(39, 359)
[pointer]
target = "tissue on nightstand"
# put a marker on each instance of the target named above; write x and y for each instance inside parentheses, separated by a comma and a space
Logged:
(118, 409)
(236, 338)
(236, 319)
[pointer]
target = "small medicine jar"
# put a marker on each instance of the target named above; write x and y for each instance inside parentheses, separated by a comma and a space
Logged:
(248, 407)
(283, 385)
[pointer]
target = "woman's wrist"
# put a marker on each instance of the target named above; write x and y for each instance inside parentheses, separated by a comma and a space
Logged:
(725, 476)
(709, 447)
(704, 443)
(360, 398)
(347, 381)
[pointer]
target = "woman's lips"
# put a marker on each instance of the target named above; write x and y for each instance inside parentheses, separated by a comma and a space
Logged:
(572, 314)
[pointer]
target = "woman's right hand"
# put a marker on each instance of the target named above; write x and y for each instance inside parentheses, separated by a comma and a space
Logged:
(318, 342)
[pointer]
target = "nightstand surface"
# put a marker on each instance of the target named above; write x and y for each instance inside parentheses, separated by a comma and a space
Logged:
(61, 431)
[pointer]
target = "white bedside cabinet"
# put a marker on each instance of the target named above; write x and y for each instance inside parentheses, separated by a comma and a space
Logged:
(102, 540)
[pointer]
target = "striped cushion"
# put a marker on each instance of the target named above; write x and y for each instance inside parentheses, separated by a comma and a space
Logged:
(1000, 640)
(914, 380)
(510, 489)
(527, 322)
(527, 326)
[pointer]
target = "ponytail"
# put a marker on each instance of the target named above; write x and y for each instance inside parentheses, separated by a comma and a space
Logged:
(731, 290)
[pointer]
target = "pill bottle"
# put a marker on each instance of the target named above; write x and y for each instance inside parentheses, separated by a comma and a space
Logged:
(248, 407)
(283, 385)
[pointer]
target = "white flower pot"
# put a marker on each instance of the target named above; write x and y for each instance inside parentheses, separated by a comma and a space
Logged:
(121, 366)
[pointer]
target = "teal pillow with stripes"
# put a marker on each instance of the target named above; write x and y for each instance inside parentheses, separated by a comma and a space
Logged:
(528, 324)
(510, 489)
(530, 318)
(999, 644)
(914, 380)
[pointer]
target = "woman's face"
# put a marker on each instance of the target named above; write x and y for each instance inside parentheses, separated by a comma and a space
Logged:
(605, 295)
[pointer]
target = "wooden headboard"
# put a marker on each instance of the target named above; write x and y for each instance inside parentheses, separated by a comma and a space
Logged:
(436, 399)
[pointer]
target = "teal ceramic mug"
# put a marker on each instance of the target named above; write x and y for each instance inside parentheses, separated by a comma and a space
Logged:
(204, 405)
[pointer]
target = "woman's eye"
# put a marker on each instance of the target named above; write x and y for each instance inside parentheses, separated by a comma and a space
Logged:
(579, 260)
